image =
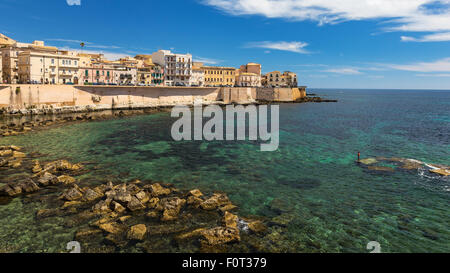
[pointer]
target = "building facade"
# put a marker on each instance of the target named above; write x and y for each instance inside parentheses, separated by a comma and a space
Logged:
(197, 77)
(177, 67)
(125, 75)
(97, 73)
(278, 79)
(248, 80)
(48, 67)
(1, 70)
(219, 76)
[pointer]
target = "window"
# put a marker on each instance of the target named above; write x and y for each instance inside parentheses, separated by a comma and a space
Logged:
(86, 73)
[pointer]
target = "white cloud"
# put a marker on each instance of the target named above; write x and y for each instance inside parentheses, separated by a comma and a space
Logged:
(344, 71)
(401, 15)
(434, 75)
(442, 65)
(73, 2)
(108, 54)
(437, 37)
(206, 60)
(297, 47)
(87, 44)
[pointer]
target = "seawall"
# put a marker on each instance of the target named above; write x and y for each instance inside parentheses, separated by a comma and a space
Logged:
(37, 99)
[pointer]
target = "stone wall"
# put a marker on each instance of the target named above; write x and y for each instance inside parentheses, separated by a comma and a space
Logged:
(21, 97)
(26, 98)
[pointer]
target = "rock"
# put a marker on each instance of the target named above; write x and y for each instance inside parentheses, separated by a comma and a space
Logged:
(123, 219)
(61, 166)
(153, 214)
(73, 194)
(15, 148)
(220, 235)
(65, 179)
(135, 204)
(133, 189)
(172, 207)
(28, 186)
(217, 200)
(230, 220)
(120, 194)
(118, 208)
(102, 207)
(283, 220)
(137, 232)
(6, 153)
(36, 167)
(195, 233)
(380, 169)
(47, 179)
(196, 193)
(45, 213)
(82, 234)
(91, 195)
(18, 154)
(157, 190)
(228, 207)
(112, 228)
(69, 204)
(3, 162)
(153, 203)
(10, 190)
(257, 227)
(368, 161)
(15, 163)
(441, 172)
(194, 201)
(143, 197)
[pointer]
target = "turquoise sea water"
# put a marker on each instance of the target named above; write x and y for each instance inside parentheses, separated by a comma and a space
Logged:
(336, 206)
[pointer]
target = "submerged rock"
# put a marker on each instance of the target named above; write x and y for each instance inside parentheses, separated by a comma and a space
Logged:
(137, 232)
(220, 235)
(112, 227)
(230, 220)
(135, 204)
(368, 161)
(380, 169)
(72, 194)
(65, 179)
(216, 201)
(157, 190)
(47, 179)
(172, 207)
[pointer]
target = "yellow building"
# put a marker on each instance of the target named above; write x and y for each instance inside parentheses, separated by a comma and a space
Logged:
(219, 76)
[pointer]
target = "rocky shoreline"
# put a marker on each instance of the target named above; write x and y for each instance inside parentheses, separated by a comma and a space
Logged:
(145, 215)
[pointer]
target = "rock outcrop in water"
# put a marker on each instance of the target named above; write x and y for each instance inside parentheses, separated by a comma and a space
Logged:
(133, 214)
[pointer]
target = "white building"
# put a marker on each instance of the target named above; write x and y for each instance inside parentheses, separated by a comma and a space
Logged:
(124, 75)
(48, 67)
(197, 78)
(177, 67)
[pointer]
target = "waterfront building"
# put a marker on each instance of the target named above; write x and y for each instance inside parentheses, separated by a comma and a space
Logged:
(290, 79)
(124, 75)
(278, 79)
(198, 77)
(251, 74)
(248, 80)
(48, 66)
(219, 76)
(99, 72)
(10, 51)
(177, 67)
(251, 68)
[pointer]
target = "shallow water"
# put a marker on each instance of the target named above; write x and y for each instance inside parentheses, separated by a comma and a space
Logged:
(336, 205)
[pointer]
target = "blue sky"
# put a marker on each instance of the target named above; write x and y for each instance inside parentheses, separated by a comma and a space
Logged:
(330, 44)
